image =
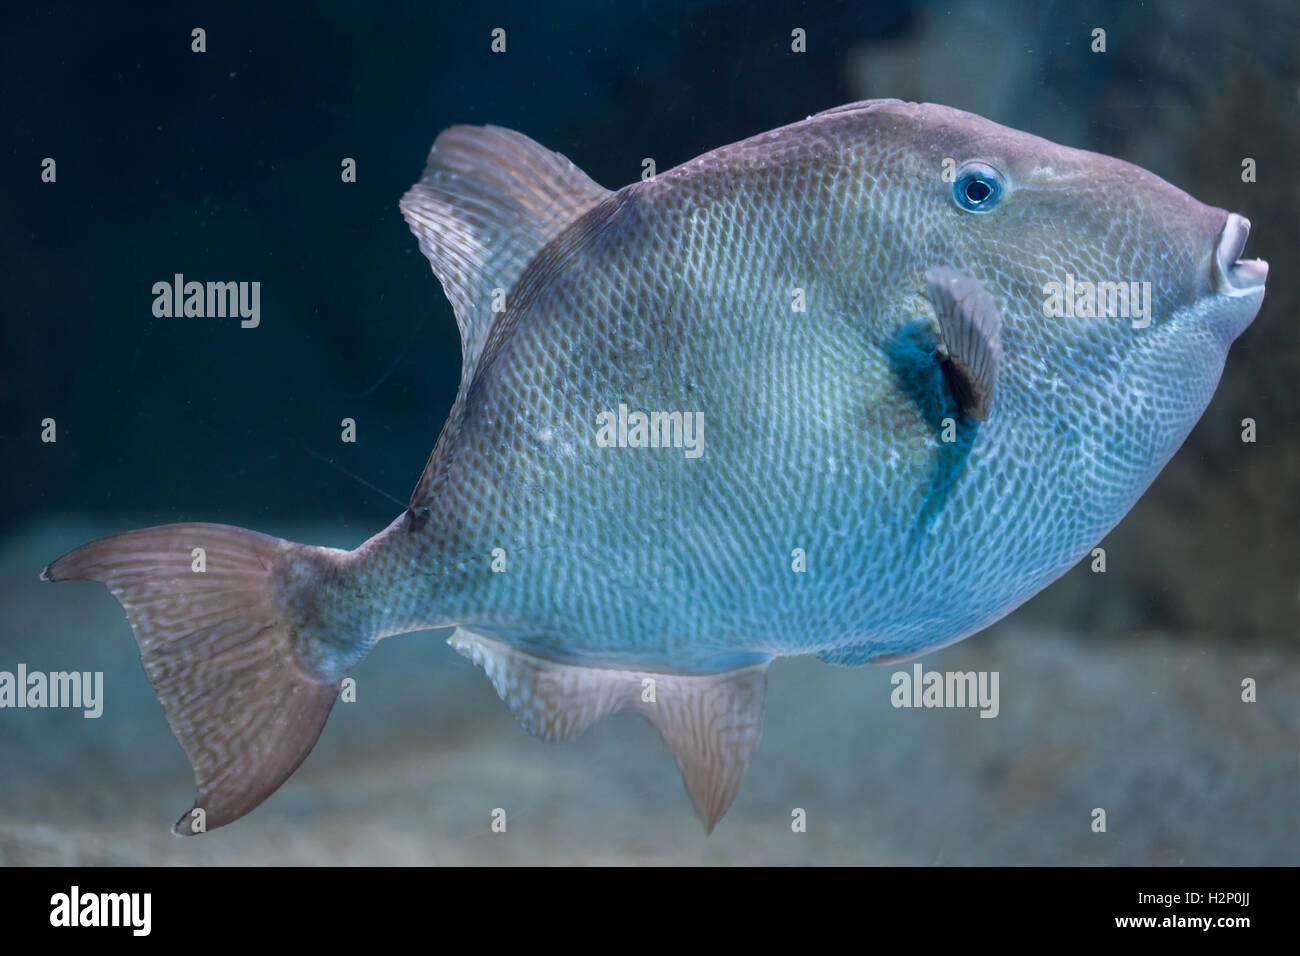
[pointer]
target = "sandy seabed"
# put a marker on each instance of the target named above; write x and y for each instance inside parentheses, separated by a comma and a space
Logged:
(1150, 727)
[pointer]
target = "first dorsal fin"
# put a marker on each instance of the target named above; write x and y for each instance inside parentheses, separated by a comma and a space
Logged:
(711, 722)
(489, 200)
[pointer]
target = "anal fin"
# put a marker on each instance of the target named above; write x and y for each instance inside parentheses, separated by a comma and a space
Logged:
(710, 722)
(550, 700)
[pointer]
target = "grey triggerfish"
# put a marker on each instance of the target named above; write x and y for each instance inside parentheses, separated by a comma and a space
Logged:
(856, 388)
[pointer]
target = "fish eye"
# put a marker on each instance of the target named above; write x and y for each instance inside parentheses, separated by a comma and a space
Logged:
(977, 188)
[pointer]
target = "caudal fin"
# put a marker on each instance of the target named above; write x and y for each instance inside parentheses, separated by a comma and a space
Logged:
(219, 650)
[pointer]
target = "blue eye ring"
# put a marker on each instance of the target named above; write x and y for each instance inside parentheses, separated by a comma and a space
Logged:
(978, 187)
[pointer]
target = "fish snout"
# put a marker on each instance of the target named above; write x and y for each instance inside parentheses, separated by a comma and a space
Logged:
(1234, 275)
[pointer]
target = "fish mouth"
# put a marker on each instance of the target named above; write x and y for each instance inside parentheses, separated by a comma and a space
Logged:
(1234, 275)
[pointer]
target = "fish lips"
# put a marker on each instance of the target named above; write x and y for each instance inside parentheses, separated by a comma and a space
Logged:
(1233, 275)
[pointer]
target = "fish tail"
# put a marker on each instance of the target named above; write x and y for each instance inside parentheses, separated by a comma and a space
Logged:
(235, 635)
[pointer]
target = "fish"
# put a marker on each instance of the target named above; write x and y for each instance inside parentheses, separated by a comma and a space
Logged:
(855, 388)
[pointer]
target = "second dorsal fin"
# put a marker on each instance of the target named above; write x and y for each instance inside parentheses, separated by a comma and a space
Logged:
(710, 722)
(489, 200)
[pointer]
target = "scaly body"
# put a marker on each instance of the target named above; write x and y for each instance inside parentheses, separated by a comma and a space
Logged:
(883, 467)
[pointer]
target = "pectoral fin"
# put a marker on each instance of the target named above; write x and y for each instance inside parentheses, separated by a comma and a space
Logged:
(711, 722)
(970, 328)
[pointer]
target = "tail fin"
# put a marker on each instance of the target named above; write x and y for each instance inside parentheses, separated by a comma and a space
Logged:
(219, 650)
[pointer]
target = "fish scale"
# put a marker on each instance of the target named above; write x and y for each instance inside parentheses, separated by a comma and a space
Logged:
(906, 460)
